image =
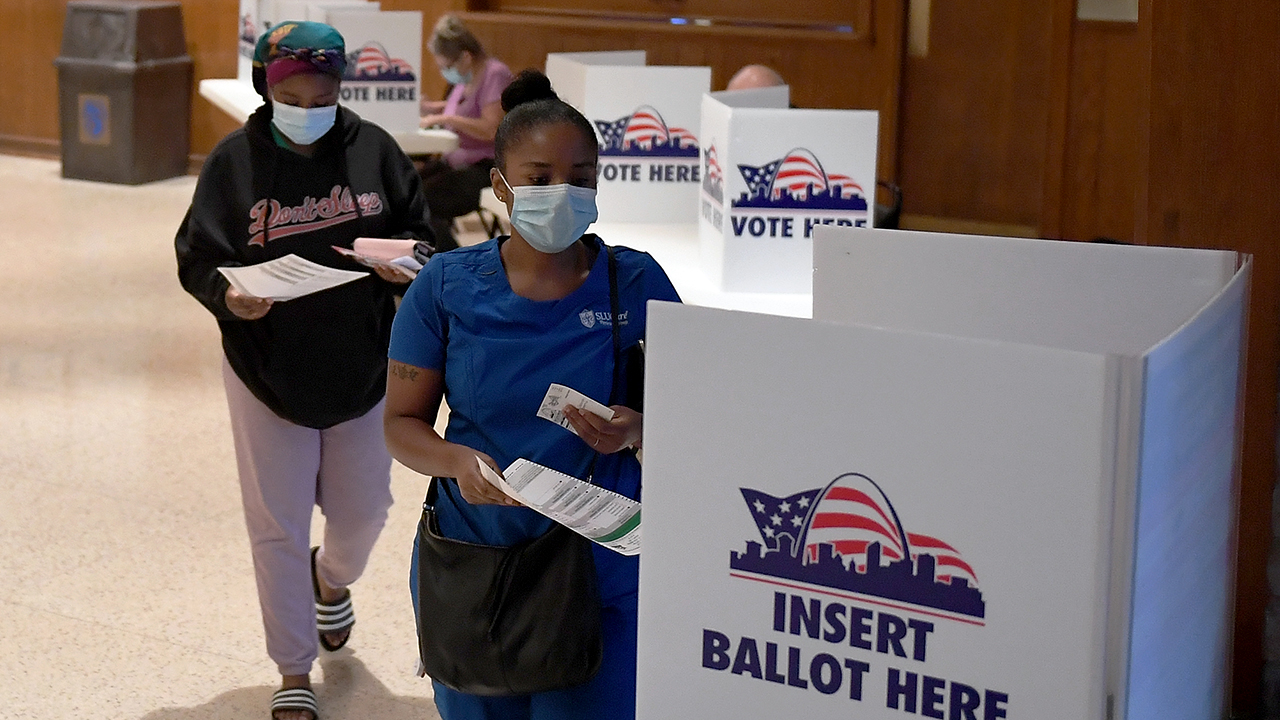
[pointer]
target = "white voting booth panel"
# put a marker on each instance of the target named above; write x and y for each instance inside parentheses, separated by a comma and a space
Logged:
(255, 17)
(319, 11)
(384, 65)
(771, 176)
(1176, 317)
(646, 120)
(951, 511)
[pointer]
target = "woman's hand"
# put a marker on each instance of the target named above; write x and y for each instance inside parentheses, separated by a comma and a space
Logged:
(392, 276)
(625, 430)
(247, 307)
(475, 489)
(432, 120)
(431, 107)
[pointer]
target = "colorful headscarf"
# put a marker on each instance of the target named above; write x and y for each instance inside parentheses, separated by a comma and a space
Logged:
(294, 47)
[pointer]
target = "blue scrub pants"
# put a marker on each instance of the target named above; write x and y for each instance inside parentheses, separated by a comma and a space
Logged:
(610, 694)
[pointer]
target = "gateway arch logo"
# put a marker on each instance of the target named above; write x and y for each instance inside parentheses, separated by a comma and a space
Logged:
(848, 536)
(645, 134)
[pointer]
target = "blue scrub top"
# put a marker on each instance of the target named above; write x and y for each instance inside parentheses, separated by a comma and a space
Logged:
(499, 352)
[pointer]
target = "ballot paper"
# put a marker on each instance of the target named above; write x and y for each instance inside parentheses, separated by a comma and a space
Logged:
(558, 396)
(600, 515)
(404, 266)
(286, 278)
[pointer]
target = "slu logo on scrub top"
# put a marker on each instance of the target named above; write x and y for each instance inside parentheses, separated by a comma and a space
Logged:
(591, 318)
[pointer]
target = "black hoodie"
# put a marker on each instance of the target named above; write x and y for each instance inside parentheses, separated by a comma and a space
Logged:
(321, 359)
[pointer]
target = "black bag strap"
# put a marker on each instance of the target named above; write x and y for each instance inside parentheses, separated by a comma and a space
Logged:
(615, 309)
(614, 312)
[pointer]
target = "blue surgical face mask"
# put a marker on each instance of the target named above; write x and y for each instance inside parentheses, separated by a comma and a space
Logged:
(551, 217)
(302, 125)
(453, 77)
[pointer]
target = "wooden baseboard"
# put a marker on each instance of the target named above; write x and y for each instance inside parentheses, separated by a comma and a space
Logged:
(930, 223)
(47, 149)
(30, 147)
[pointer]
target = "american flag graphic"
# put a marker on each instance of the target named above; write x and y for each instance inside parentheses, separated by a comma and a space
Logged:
(248, 33)
(797, 174)
(759, 179)
(681, 138)
(372, 59)
(948, 560)
(643, 129)
(850, 514)
(776, 517)
(713, 171)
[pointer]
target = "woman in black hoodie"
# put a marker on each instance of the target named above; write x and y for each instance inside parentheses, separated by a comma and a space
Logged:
(305, 379)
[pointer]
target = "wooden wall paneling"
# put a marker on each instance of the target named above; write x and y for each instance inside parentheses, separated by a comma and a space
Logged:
(33, 29)
(1100, 173)
(213, 45)
(1059, 82)
(1210, 179)
(33, 36)
(975, 112)
(829, 12)
(825, 69)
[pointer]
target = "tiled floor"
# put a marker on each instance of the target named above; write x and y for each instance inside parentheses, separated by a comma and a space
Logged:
(125, 579)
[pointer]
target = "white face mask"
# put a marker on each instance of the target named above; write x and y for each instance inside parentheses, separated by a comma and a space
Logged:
(551, 217)
(302, 125)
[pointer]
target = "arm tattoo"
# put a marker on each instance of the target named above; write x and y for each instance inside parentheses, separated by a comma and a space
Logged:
(404, 372)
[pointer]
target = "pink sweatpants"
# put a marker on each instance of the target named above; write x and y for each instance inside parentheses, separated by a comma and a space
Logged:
(285, 471)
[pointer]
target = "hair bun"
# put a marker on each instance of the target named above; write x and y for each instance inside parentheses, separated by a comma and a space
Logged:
(528, 86)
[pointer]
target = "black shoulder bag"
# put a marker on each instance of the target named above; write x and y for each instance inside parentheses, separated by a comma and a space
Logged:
(511, 620)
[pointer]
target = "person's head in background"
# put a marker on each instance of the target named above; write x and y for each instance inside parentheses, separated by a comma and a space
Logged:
(458, 54)
(545, 155)
(298, 67)
(750, 77)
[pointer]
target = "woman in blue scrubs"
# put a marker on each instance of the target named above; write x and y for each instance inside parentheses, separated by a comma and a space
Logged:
(488, 328)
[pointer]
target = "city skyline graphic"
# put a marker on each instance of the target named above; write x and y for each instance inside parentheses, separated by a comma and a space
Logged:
(848, 536)
(372, 63)
(712, 175)
(798, 181)
(644, 133)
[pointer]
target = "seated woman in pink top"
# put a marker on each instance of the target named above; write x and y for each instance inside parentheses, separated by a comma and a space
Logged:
(452, 183)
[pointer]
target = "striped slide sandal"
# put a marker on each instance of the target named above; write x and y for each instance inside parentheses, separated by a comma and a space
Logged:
(303, 699)
(331, 618)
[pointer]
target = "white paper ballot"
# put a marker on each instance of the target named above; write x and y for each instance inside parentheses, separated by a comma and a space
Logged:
(558, 396)
(600, 515)
(286, 278)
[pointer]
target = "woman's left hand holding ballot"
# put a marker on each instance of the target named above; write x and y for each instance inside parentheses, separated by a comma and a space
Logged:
(607, 436)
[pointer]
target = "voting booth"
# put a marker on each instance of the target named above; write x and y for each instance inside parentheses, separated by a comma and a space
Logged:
(646, 120)
(255, 17)
(771, 175)
(384, 65)
(991, 478)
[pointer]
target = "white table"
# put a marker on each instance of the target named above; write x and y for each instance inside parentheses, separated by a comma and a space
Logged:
(677, 250)
(238, 99)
